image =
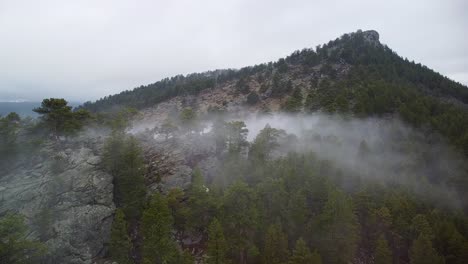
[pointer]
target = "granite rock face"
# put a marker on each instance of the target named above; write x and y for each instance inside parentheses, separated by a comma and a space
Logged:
(371, 36)
(66, 198)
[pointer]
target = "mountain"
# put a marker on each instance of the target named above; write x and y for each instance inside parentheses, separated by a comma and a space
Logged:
(354, 74)
(346, 153)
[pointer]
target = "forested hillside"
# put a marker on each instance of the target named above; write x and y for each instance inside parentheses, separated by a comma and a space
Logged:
(346, 153)
(353, 74)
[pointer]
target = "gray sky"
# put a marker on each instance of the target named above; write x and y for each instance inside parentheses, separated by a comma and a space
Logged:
(83, 50)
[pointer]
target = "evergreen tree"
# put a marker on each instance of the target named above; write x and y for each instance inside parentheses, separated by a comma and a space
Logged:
(383, 255)
(294, 102)
(9, 128)
(422, 252)
(242, 86)
(217, 247)
(236, 133)
(201, 206)
(156, 226)
(338, 229)
(167, 128)
(130, 183)
(298, 212)
(252, 98)
(265, 142)
(276, 246)
(59, 117)
(302, 255)
(55, 113)
(421, 226)
(15, 248)
(185, 258)
(179, 208)
(188, 117)
(123, 159)
(240, 217)
(120, 245)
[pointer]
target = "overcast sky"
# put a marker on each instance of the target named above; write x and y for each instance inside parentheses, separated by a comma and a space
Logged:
(83, 50)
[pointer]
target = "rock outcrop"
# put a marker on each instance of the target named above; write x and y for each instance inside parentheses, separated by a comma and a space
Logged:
(66, 199)
(371, 36)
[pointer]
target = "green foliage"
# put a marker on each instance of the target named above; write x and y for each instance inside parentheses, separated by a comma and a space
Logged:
(122, 158)
(242, 86)
(302, 255)
(422, 252)
(120, 245)
(236, 133)
(421, 226)
(200, 203)
(328, 70)
(282, 66)
(253, 98)
(184, 258)
(337, 229)
(14, 245)
(383, 255)
(9, 128)
(310, 197)
(179, 209)
(280, 86)
(156, 225)
(216, 245)
(276, 246)
(59, 117)
(119, 120)
(187, 116)
(294, 102)
(239, 216)
(167, 128)
(149, 95)
(265, 142)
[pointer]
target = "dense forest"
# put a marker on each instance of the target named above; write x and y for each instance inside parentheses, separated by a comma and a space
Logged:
(268, 203)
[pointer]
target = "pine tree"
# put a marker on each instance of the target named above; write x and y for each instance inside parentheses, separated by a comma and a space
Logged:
(422, 252)
(240, 216)
(131, 180)
(236, 132)
(156, 226)
(216, 249)
(184, 258)
(15, 247)
(302, 255)
(338, 227)
(123, 159)
(200, 204)
(383, 255)
(120, 244)
(276, 246)
(58, 116)
(294, 102)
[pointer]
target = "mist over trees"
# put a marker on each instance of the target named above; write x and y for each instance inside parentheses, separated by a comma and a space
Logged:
(367, 166)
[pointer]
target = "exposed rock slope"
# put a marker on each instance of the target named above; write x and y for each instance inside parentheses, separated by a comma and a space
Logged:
(66, 199)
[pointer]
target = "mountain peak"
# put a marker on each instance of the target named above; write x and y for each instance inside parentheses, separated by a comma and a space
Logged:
(371, 36)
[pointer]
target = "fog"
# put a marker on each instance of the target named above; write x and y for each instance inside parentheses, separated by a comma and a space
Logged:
(380, 150)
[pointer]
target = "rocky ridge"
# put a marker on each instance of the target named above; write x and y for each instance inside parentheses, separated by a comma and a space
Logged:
(66, 198)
